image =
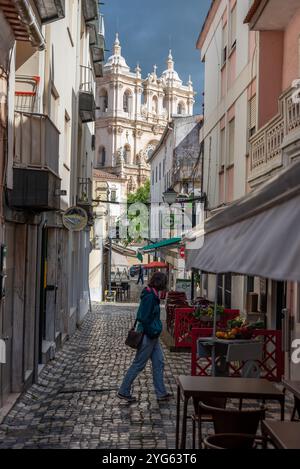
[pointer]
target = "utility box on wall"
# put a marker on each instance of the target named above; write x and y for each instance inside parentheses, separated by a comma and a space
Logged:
(33, 189)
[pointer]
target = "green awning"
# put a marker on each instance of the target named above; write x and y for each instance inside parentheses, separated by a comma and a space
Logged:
(161, 244)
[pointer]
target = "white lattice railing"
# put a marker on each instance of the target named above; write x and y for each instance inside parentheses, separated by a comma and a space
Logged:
(266, 145)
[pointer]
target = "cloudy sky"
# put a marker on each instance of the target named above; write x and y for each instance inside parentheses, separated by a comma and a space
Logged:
(148, 28)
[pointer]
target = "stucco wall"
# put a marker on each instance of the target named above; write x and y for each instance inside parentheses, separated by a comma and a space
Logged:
(291, 70)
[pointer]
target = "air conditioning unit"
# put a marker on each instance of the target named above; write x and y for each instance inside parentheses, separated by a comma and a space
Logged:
(252, 303)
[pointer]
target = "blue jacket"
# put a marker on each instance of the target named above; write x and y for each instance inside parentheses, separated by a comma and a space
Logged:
(148, 314)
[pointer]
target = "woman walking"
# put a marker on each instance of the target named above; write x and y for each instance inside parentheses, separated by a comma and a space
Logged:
(148, 317)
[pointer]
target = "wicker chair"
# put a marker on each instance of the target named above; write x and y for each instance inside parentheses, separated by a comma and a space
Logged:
(232, 421)
(230, 441)
(205, 417)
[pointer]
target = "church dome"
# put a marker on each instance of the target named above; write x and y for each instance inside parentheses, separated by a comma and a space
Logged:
(170, 75)
(116, 59)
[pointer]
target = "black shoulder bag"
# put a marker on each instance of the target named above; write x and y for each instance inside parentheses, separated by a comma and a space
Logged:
(134, 338)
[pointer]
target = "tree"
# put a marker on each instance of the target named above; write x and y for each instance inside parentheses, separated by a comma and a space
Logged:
(141, 195)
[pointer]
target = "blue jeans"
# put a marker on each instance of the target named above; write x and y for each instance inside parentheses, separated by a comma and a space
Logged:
(150, 348)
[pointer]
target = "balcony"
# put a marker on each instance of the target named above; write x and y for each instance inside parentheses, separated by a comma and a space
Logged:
(271, 15)
(36, 183)
(50, 10)
(266, 146)
(84, 198)
(90, 10)
(87, 105)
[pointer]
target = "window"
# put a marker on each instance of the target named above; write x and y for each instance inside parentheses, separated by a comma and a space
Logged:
(231, 134)
(224, 44)
(250, 284)
(227, 293)
(164, 166)
(156, 174)
(103, 104)
(223, 148)
(101, 157)
(220, 289)
(181, 108)
(67, 138)
(252, 116)
(113, 195)
(127, 101)
(152, 177)
(233, 20)
(224, 284)
(160, 171)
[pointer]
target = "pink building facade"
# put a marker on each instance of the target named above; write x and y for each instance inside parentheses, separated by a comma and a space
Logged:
(251, 51)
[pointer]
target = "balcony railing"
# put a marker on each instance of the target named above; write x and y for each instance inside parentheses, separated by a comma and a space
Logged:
(90, 9)
(85, 189)
(36, 142)
(50, 10)
(87, 105)
(26, 94)
(266, 153)
(87, 82)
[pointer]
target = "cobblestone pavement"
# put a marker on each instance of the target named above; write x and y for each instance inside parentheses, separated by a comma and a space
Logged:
(74, 404)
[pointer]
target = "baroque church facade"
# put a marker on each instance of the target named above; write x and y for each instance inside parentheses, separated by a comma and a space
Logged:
(132, 114)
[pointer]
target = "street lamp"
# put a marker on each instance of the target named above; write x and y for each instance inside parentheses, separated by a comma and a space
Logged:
(170, 196)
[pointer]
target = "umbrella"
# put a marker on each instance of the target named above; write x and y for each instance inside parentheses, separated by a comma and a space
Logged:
(156, 265)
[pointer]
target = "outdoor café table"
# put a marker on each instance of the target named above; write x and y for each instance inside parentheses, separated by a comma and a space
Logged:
(235, 388)
(284, 435)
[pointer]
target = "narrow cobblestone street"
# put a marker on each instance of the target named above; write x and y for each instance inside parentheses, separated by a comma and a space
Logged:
(74, 405)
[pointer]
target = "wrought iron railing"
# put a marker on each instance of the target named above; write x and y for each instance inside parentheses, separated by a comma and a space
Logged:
(85, 188)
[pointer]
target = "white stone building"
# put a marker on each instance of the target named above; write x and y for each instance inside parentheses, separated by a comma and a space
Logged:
(176, 163)
(133, 113)
(106, 188)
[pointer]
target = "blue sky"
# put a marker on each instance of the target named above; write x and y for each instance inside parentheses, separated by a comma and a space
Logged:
(148, 28)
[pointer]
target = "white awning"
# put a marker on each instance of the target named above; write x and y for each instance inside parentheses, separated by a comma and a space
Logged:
(257, 235)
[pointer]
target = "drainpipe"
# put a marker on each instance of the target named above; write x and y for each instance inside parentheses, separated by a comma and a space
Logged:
(28, 18)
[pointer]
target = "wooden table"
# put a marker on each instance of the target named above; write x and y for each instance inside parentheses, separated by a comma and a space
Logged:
(294, 388)
(284, 435)
(235, 388)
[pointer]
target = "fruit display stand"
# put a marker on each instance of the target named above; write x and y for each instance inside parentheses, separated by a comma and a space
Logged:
(271, 365)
